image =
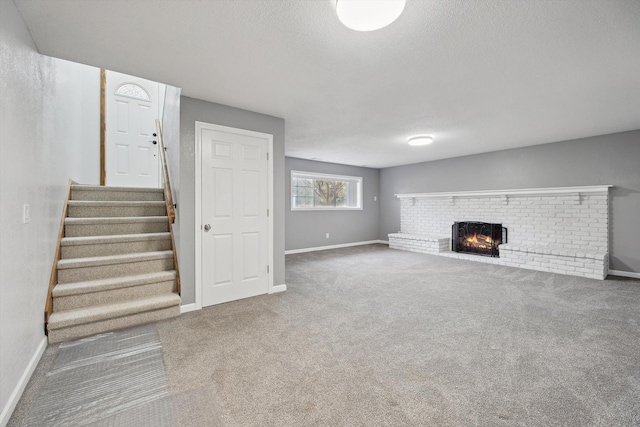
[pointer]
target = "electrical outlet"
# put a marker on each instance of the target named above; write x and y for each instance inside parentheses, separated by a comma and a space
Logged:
(327, 236)
(26, 214)
(375, 198)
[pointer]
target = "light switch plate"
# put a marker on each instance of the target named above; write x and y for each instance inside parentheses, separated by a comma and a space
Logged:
(26, 214)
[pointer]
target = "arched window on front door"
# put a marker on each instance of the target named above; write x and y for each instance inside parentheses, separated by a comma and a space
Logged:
(132, 90)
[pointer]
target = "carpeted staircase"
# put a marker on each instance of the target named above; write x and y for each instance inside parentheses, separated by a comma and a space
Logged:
(117, 264)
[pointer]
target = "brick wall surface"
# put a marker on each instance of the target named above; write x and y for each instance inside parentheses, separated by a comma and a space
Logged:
(566, 234)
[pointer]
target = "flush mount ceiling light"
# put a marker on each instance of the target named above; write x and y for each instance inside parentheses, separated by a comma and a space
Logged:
(368, 15)
(420, 140)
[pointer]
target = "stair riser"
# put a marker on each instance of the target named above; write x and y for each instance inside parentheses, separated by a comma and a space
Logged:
(88, 329)
(79, 230)
(104, 249)
(113, 295)
(112, 211)
(115, 195)
(82, 274)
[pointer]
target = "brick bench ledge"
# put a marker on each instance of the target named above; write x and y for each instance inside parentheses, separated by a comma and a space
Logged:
(551, 250)
(421, 237)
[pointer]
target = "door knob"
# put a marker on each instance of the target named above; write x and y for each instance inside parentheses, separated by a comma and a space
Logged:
(207, 227)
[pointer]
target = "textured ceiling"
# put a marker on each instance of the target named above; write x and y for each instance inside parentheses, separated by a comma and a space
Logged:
(477, 75)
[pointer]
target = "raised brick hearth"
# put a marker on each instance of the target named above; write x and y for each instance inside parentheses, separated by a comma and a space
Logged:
(561, 230)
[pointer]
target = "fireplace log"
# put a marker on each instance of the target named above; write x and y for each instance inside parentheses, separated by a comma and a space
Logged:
(469, 237)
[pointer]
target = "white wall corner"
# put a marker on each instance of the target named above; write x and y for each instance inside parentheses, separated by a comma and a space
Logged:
(22, 383)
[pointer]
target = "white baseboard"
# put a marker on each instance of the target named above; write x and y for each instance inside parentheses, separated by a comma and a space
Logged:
(624, 274)
(188, 307)
(193, 307)
(22, 383)
(324, 248)
(278, 288)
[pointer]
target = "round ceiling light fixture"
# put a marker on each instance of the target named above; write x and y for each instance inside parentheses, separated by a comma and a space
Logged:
(420, 140)
(368, 15)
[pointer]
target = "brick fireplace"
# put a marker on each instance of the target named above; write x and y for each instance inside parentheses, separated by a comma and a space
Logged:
(561, 229)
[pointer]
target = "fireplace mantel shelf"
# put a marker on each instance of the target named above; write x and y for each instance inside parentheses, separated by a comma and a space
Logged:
(550, 191)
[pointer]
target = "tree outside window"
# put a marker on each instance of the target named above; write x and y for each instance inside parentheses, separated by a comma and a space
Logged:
(320, 191)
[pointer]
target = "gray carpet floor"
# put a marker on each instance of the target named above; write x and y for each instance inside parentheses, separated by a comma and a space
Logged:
(369, 336)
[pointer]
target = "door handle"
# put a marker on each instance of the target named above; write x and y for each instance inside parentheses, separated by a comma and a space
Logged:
(207, 227)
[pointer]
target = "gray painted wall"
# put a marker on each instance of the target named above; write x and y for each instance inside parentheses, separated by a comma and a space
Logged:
(171, 134)
(307, 229)
(608, 159)
(44, 140)
(192, 110)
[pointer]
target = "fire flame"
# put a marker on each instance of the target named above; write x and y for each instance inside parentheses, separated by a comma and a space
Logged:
(483, 242)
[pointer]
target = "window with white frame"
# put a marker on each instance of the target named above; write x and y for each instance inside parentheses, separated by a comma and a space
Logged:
(311, 191)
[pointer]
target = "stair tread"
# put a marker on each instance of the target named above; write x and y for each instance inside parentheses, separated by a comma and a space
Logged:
(113, 219)
(67, 318)
(113, 259)
(107, 188)
(114, 238)
(90, 286)
(112, 203)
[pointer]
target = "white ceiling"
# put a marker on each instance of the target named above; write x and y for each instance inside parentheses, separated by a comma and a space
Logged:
(479, 76)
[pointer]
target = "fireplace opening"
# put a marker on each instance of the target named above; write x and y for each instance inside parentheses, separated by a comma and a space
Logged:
(480, 238)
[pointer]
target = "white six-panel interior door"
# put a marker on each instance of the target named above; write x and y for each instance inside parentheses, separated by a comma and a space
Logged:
(235, 226)
(132, 106)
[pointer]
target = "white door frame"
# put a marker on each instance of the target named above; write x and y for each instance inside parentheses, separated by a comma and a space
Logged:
(198, 202)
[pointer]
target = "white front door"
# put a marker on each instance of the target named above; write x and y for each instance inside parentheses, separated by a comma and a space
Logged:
(234, 213)
(131, 111)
